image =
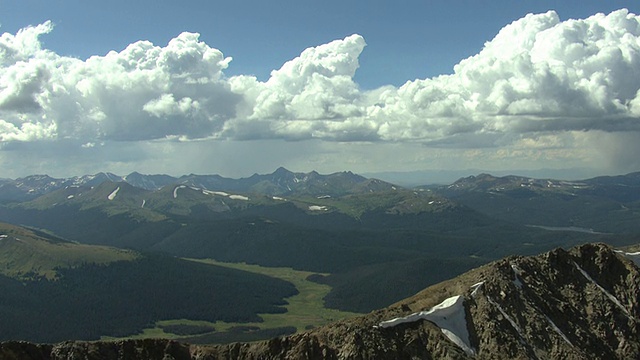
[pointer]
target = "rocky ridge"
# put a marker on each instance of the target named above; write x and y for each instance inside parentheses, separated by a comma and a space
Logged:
(575, 304)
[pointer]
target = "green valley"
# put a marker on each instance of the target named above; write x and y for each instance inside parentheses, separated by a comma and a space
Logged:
(304, 311)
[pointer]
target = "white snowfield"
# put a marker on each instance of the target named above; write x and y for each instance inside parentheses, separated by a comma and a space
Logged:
(175, 191)
(238, 197)
(222, 193)
(209, 192)
(113, 194)
(317, 208)
(449, 316)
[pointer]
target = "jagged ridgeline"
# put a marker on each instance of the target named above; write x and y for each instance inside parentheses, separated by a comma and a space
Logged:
(576, 304)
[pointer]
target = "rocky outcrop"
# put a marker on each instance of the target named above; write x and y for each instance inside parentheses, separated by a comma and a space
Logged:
(576, 304)
(127, 349)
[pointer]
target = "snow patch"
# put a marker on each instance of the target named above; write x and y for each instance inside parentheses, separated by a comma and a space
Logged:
(449, 316)
(475, 288)
(633, 256)
(317, 208)
(3, 236)
(604, 291)
(70, 197)
(175, 191)
(514, 325)
(238, 197)
(323, 197)
(222, 193)
(517, 272)
(113, 194)
(557, 330)
(143, 202)
(278, 198)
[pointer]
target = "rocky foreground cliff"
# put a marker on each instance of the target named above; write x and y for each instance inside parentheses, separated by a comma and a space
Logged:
(576, 304)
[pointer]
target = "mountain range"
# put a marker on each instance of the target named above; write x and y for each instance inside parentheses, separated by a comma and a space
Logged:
(370, 243)
(280, 182)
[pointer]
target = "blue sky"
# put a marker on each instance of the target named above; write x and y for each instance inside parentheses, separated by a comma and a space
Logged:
(366, 107)
(406, 39)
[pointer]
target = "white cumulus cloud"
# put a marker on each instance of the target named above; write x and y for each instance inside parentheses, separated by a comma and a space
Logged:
(143, 92)
(538, 76)
(306, 97)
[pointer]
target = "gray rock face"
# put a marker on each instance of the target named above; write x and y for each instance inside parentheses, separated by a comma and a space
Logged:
(576, 304)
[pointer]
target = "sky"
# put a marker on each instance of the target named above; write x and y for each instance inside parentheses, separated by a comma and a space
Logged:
(243, 87)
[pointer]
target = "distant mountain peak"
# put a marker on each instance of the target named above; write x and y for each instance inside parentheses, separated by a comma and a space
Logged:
(134, 173)
(282, 171)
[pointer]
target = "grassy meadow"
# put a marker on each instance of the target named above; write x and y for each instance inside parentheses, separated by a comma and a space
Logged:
(304, 310)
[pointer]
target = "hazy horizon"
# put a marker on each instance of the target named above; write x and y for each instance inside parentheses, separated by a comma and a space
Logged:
(406, 178)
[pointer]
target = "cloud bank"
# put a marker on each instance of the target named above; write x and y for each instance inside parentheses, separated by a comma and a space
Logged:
(537, 81)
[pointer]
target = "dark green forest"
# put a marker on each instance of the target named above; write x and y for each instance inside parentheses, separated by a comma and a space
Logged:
(122, 298)
(386, 257)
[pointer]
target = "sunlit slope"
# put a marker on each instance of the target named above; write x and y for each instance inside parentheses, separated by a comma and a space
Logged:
(25, 253)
